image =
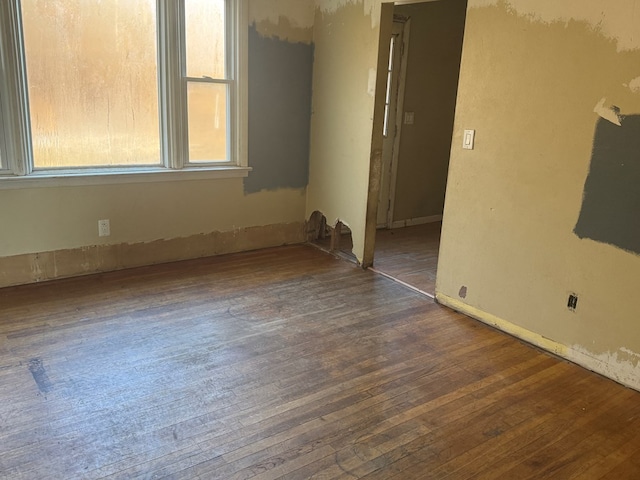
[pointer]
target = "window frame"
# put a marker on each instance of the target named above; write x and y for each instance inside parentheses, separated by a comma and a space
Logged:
(16, 158)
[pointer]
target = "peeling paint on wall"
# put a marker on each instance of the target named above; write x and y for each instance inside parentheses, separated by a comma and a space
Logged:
(611, 199)
(611, 114)
(279, 113)
(290, 20)
(634, 85)
(370, 7)
(298, 13)
(621, 23)
(622, 365)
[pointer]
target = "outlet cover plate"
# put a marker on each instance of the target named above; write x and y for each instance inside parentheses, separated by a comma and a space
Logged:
(104, 228)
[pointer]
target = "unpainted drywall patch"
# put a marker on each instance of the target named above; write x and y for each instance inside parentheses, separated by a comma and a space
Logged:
(299, 13)
(634, 85)
(619, 20)
(294, 25)
(279, 113)
(372, 8)
(611, 113)
(622, 365)
(611, 199)
(284, 31)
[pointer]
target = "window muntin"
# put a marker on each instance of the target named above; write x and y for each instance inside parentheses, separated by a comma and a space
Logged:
(223, 98)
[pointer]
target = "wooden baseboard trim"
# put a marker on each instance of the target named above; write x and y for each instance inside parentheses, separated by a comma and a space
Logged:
(43, 266)
(410, 222)
(608, 365)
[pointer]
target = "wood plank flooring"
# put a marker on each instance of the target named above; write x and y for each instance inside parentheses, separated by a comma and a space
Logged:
(288, 363)
(410, 254)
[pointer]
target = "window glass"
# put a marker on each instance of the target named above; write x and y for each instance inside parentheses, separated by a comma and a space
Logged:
(92, 82)
(205, 38)
(207, 107)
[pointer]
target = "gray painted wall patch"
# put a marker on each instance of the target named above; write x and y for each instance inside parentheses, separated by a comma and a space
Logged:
(611, 203)
(280, 75)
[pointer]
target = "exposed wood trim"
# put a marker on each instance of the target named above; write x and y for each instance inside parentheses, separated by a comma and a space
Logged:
(410, 222)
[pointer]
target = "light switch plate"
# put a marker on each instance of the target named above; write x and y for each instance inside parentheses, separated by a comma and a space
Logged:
(468, 139)
(408, 118)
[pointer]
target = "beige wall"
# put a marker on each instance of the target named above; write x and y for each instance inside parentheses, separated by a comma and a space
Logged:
(436, 30)
(46, 219)
(344, 81)
(532, 73)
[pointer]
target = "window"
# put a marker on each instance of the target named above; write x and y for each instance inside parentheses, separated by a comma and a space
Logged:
(98, 86)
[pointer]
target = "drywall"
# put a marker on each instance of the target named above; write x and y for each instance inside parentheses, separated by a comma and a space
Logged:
(289, 20)
(280, 112)
(344, 87)
(48, 219)
(433, 64)
(370, 8)
(531, 75)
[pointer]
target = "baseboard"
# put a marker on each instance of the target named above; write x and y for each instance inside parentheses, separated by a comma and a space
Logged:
(410, 222)
(39, 267)
(609, 365)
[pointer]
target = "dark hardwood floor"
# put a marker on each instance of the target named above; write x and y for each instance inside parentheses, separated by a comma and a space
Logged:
(410, 254)
(288, 363)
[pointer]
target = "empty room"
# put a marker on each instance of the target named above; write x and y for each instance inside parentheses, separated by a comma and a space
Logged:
(169, 168)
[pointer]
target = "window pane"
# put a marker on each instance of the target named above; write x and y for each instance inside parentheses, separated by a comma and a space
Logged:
(92, 80)
(207, 104)
(205, 38)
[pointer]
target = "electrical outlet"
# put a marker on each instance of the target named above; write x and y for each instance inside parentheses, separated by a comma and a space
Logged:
(572, 303)
(104, 228)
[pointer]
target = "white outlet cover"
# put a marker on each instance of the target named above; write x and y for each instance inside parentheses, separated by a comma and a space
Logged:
(104, 228)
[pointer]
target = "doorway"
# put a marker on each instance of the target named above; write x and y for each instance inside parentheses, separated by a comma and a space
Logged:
(414, 173)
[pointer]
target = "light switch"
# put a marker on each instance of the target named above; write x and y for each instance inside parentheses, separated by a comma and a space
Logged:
(408, 118)
(468, 139)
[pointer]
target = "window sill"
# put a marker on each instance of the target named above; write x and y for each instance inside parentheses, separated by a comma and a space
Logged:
(141, 175)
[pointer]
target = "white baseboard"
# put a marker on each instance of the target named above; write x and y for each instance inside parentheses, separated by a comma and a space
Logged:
(610, 365)
(410, 222)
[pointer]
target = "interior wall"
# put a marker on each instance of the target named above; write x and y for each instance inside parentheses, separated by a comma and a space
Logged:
(553, 91)
(345, 39)
(64, 218)
(433, 65)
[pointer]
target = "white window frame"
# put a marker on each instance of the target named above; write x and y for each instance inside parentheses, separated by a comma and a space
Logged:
(16, 159)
